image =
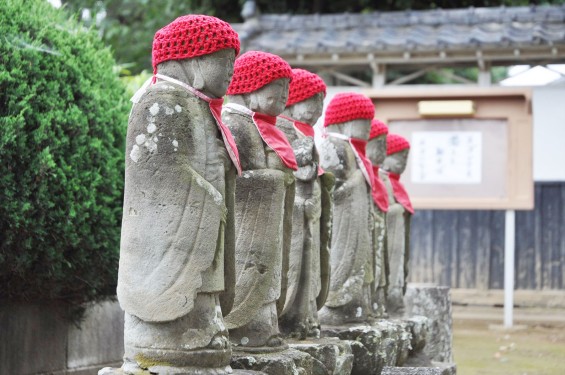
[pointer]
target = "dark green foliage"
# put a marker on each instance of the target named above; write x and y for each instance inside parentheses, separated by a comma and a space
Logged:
(129, 25)
(63, 115)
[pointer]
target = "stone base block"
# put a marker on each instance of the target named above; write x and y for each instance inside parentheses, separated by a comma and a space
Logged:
(419, 327)
(433, 302)
(437, 368)
(175, 371)
(332, 356)
(289, 361)
(383, 343)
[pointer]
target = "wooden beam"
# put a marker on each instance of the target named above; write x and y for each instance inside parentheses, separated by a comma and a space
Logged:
(412, 76)
(352, 80)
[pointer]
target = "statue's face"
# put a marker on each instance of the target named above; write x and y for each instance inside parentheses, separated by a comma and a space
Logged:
(396, 163)
(216, 70)
(359, 128)
(271, 98)
(309, 110)
(376, 149)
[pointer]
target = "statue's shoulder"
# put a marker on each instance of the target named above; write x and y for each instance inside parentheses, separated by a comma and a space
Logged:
(240, 124)
(287, 127)
(171, 96)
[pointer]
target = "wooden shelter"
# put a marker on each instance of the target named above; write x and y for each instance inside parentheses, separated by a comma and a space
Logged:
(381, 50)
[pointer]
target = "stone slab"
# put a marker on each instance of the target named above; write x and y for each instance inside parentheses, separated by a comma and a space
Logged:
(433, 302)
(289, 361)
(383, 343)
(119, 371)
(332, 356)
(437, 368)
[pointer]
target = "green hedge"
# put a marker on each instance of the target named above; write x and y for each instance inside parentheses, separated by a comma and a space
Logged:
(63, 116)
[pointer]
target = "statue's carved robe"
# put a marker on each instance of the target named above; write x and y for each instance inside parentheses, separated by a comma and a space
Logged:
(177, 228)
(263, 204)
(398, 247)
(309, 268)
(379, 243)
(351, 265)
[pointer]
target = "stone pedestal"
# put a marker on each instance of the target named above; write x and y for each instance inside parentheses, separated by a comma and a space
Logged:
(173, 371)
(433, 302)
(289, 361)
(436, 368)
(331, 355)
(383, 343)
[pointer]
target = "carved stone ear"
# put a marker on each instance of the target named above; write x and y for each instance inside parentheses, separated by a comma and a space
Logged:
(250, 101)
(198, 83)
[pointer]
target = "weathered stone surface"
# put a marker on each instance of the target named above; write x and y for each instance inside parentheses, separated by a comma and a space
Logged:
(437, 368)
(173, 371)
(309, 262)
(398, 232)
(331, 355)
(290, 361)
(419, 327)
(384, 343)
(433, 302)
(264, 194)
(177, 229)
(376, 152)
(349, 296)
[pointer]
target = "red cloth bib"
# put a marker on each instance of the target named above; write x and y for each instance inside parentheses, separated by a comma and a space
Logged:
(380, 195)
(307, 131)
(400, 193)
(275, 139)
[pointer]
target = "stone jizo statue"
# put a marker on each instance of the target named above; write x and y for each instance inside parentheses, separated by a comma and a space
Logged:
(177, 238)
(376, 152)
(264, 199)
(397, 222)
(308, 271)
(348, 123)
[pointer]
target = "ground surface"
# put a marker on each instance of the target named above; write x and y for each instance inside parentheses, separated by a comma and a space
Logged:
(536, 346)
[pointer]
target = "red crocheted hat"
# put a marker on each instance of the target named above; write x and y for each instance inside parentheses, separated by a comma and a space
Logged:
(192, 35)
(377, 128)
(304, 85)
(348, 106)
(255, 69)
(396, 143)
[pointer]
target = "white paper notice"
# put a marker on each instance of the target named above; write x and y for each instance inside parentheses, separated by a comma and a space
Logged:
(446, 157)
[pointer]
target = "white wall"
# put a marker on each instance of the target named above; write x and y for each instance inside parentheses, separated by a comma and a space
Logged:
(549, 133)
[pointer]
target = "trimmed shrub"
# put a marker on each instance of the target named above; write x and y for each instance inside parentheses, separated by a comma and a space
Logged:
(63, 116)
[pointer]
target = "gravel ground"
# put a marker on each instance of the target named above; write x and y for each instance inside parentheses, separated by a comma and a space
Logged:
(536, 344)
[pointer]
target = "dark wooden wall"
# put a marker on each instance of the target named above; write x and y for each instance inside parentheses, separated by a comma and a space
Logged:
(465, 249)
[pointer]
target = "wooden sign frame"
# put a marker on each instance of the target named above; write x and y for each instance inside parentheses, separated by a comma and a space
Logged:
(512, 105)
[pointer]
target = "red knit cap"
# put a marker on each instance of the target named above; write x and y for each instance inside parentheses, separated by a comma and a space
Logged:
(304, 85)
(377, 128)
(255, 69)
(396, 143)
(348, 106)
(191, 36)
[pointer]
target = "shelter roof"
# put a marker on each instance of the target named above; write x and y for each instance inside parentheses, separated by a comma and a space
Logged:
(503, 33)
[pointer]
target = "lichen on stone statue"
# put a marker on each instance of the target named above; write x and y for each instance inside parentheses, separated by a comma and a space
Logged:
(177, 244)
(308, 271)
(347, 122)
(264, 199)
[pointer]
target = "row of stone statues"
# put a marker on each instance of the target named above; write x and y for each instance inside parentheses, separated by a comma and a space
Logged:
(234, 225)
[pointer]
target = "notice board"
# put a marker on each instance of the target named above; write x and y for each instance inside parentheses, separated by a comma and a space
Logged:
(473, 160)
